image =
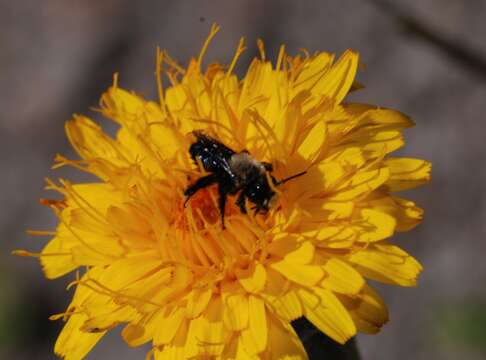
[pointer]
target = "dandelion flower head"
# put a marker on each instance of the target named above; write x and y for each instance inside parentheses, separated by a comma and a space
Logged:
(170, 275)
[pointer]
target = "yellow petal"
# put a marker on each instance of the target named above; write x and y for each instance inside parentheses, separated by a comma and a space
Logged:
(302, 255)
(157, 143)
(106, 316)
(141, 329)
(313, 70)
(125, 272)
(99, 195)
(283, 342)
(360, 184)
(382, 142)
(73, 344)
(236, 311)
(379, 116)
(407, 173)
(339, 79)
(159, 288)
(241, 353)
(83, 220)
(90, 141)
(206, 335)
(406, 213)
(175, 350)
(371, 312)
(175, 98)
(252, 279)
(165, 140)
(393, 118)
(323, 210)
(287, 306)
(349, 156)
(53, 265)
(129, 109)
(170, 322)
(332, 174)
(335, 237)
(282, 246)
(375, 226)
(313, 143)
(323, 79)
(373, 142)
(387, 263)
(325, 311)
(254, 338)
(341, 277)
(307, 275)
(197, 302)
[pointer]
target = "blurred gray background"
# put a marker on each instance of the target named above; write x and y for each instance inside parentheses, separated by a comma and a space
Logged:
(424, 57)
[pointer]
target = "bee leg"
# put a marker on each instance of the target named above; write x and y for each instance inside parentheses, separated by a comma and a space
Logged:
(200, 183)
(267, 166)
(241, 202)
(223, 194)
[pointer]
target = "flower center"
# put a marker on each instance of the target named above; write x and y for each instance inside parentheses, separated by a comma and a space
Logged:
(197, 234)
(201, 210)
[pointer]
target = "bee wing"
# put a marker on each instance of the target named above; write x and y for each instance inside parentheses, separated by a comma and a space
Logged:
(219, 148)
(214, 155)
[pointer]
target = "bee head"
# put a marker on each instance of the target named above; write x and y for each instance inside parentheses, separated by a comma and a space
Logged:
(261, 194)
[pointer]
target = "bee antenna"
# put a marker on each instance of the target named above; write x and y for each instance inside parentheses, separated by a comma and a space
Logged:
(283, 181)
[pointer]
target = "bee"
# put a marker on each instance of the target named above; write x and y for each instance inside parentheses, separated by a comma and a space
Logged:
(236, 173)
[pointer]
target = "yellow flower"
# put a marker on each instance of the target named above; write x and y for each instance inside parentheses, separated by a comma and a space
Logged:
(171, 275)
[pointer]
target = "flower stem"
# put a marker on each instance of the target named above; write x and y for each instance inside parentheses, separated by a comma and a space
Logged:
(320, 346)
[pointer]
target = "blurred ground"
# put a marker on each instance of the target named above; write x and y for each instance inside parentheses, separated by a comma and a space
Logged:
(424, 57)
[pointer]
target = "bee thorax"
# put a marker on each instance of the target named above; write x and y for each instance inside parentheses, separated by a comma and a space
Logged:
(245, 167)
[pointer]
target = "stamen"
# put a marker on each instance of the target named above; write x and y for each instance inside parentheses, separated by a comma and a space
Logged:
(257, 121)
(150, 354)
(26, 253)
(192, 100)
(158, 75)
(58, 204)
(62, 161)
(214, 30)
(65, 315)
(115, 81)
(261, 48)
(229, 110)
(173, 64)
(94, 213)
(317, 75)
(215, 123)
(206, 245)
(198, 250)
(241, 234)
(239, 50)
(104, 290)
(79, 238)
(281, 55)
(271, 184)
(41, 233)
